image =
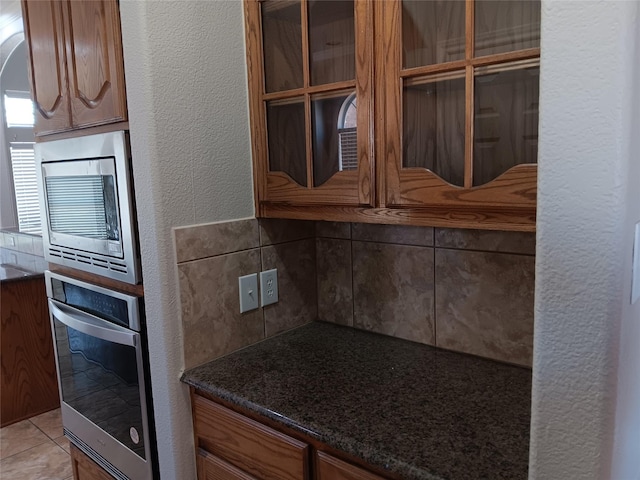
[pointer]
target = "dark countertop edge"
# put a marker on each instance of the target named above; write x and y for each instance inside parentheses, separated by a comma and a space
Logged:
(28, 276)
(392, 465)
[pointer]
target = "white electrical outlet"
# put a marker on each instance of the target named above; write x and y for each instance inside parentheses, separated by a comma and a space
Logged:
(248, 286)
(269, 287)
(635, 273)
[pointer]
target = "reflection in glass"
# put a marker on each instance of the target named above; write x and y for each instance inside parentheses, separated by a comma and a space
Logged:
(433, 127)
(99, 379)
(506, 122)
(506, 26)
(282, 44)
(287, 152)
(90, 210)
(331, 41)
(433, 31)
(334, 135)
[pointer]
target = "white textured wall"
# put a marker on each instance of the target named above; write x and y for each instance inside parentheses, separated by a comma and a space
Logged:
(186, 90)
(586, 180)
(626, 456)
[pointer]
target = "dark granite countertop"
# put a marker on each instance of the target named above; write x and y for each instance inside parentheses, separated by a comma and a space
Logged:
(411, 409)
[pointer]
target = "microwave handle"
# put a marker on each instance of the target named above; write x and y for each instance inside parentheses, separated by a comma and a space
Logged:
(91, 325)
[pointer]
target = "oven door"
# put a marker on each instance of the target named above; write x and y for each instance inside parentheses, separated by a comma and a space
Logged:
(102, 390)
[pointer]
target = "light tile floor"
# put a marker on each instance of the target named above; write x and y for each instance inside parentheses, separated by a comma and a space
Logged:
(35, 449)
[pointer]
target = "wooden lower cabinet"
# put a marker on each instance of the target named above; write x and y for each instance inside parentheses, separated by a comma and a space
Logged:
(29, 382)
(232, 446)
(256, 449)
(211, 467)
(86, 469)
(329, 467)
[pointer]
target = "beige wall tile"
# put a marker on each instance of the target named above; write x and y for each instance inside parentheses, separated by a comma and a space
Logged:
(212, 323)
(396, 234)
(484, 304)
(393, 290)
(297, 296)
(486, 240)
(275, 230)
(333, 229)
(211, 239)
(38, 248)
(335, 295)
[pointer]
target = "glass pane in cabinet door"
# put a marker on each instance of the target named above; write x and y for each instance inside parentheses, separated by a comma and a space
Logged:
(331, 41)
(505, 122)
(282, 45)
(285, 127)
(433, 127)
(432, 31)
(506, 26)
(334, 135)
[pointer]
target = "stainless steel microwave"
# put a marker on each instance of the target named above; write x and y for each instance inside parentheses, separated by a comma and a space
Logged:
(86, 197)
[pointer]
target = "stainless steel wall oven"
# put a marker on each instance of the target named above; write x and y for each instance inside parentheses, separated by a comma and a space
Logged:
(103, 372)
(87, 203)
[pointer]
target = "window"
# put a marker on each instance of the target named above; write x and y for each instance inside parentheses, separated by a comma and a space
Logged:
(347, 123)
(19, 120)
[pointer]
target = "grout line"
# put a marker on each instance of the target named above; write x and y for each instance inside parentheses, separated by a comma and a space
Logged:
(27, 449)
(435, 304)
(487, 251)
(353, 289)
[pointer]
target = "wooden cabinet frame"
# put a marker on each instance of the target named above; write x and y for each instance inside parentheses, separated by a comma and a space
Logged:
(352, 188)
(386, 192)
(513, 190)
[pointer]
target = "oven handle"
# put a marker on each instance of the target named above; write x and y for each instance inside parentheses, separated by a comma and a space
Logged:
(91, 325)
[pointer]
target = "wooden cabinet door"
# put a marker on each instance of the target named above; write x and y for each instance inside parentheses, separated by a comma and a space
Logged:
(44, 33)
(310, 69)
(461, 104)
(95, 65)
(259, 450)
(331, 468)
(86, 469)
(211, 467)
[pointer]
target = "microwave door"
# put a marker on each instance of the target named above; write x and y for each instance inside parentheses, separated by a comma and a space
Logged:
(81, 205)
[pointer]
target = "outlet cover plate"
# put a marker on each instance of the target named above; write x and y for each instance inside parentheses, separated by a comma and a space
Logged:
(635, 273)
(269, 287)
(248, 286)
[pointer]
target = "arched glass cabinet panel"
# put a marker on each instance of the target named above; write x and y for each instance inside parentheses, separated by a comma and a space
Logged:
(468, 73)
(310, 145)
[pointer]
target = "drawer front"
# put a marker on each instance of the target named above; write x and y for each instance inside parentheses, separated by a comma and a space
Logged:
(331, 468)
(256, 449)
(211, 467)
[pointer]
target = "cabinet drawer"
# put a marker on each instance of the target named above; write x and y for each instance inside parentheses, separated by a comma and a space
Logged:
(211, 467)
(260, 451)
(86, 469)
(330, 468)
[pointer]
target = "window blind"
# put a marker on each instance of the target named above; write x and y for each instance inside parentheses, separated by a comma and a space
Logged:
(23, 166)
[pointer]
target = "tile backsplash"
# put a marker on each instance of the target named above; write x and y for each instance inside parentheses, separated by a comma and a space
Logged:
(210, 259)
(21, 242)
(464, 290)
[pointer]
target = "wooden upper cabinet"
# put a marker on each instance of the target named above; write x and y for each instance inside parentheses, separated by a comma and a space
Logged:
(96, 70)
(311, 99)
(76, 65)
(461, 104)
(44, 33)
(444, 93)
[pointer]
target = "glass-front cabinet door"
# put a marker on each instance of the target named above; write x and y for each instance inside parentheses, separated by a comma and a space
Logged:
(310, 66)
(461, 107)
